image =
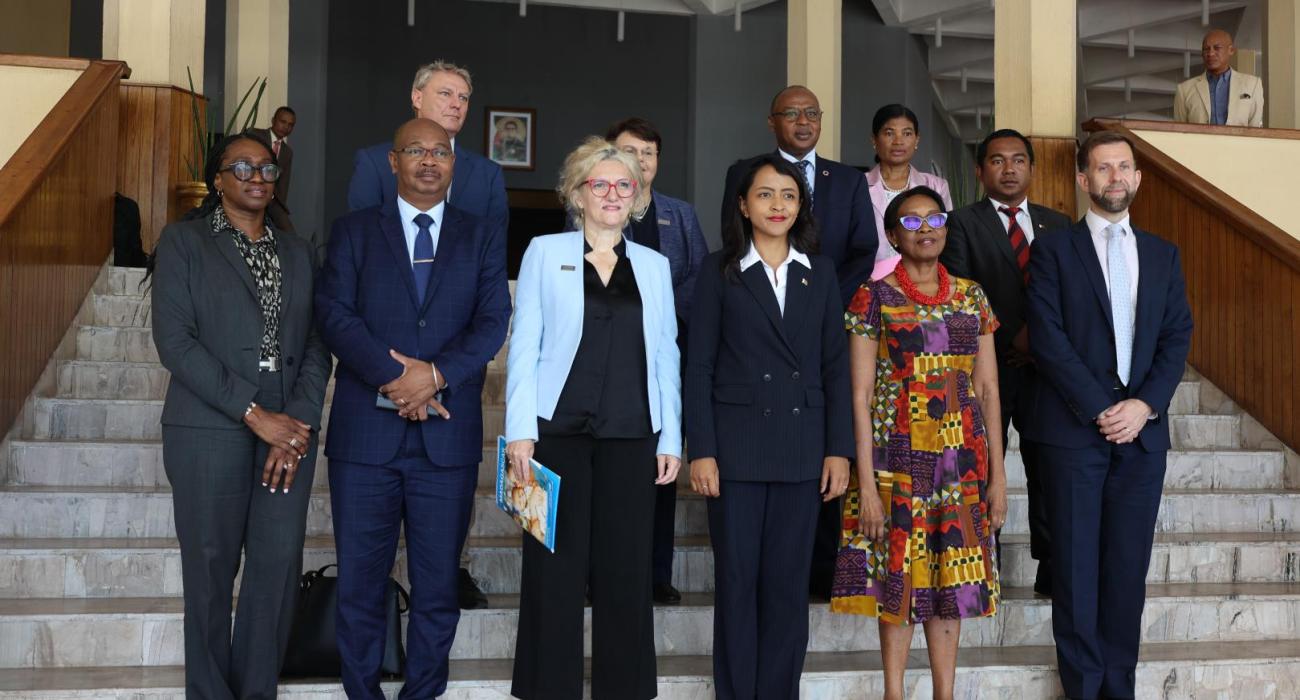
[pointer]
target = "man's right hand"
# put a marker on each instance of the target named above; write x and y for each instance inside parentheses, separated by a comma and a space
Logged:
(279, 430)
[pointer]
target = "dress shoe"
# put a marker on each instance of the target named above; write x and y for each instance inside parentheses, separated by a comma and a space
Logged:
(665, 594)
(469, 594)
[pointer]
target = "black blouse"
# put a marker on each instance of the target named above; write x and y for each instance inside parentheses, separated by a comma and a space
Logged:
(646, 231)
(605, 394)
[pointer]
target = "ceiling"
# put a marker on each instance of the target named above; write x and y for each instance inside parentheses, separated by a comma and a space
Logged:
(1133, 53)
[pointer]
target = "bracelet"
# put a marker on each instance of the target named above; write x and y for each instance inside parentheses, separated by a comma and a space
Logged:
(249, 410)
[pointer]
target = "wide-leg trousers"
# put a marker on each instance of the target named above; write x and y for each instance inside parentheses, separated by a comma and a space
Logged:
(603, 534)
(222, 511)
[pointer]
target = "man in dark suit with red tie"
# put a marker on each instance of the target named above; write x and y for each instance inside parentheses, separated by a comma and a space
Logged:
(1109, 328)
(989, 242)
(846, 228)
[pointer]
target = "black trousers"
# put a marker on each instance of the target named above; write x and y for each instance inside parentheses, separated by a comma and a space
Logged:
(603, 538)
(1104, 502)
(222, 511)
(1016, 385)
(664, 533)
(761, 533)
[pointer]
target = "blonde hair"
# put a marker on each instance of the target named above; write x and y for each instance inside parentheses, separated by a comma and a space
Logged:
(578, 166)
(427, 70)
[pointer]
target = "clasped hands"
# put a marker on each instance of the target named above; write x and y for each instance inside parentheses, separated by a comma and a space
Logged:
(1122, 422)
(413, 391)
(289, 440)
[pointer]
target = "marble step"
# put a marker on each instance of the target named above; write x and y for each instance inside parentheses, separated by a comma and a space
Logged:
(150, 567)
(119, 280)
(112, 380)
(145, 511)
(1264, 670)
(148, 631)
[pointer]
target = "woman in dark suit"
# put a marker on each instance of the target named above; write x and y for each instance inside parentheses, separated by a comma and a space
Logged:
(769, 424)
(232, 320)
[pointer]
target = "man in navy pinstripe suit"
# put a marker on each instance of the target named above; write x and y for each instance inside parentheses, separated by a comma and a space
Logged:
(414, 302)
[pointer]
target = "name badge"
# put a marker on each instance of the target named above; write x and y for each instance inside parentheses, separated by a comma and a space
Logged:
(567, 268)
(664, 222)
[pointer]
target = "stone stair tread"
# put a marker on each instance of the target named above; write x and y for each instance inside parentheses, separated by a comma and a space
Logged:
(477, 672)
(172, 605)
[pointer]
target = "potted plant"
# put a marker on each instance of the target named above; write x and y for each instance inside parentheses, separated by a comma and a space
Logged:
(190, 194)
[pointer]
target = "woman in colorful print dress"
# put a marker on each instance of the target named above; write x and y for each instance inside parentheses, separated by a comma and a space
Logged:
(918, 540)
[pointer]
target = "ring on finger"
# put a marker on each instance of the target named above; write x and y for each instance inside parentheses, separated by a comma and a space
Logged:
(293, 442)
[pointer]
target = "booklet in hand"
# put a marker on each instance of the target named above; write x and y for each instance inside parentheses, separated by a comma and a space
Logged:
(532, 505)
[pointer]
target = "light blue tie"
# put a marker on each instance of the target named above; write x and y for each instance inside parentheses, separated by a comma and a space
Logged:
(1121, 300)
(806, 168)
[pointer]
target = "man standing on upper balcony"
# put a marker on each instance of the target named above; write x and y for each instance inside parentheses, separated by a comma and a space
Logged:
(1220, 95)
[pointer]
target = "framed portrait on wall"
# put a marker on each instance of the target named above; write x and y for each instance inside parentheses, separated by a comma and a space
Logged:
(511, 137)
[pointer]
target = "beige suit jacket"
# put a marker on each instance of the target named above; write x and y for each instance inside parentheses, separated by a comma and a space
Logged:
(1245, 100)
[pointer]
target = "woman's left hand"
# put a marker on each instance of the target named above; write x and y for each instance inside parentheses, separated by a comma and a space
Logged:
(281, 466)
(668, 468)
(997, 498)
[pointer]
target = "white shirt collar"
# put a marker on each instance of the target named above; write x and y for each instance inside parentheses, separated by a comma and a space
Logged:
(409, 211)
(811, 158)
(1023, 206)
(1097, 223)
(752, 257)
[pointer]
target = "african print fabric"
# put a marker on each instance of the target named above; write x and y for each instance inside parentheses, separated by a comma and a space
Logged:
(931, 463)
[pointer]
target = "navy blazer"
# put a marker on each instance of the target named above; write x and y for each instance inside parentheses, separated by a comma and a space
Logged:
(1072, 337)
(366, 304)
(846, 223)
(477, 185)
(768, 395)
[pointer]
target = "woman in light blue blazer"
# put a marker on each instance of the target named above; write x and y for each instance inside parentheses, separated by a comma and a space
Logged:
(593, 391)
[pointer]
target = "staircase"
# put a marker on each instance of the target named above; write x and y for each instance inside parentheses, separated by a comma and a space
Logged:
(90, 580)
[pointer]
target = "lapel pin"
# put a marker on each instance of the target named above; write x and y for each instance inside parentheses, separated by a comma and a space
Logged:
(804, 281)
(567, 268)
(826, 173)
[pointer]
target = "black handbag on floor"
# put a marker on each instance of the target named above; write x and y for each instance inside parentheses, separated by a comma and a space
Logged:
(314, 651)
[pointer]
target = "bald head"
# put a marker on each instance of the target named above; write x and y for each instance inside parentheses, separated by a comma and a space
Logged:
(1217, 51)
(423, 161)
(795, 120)
(790, 90)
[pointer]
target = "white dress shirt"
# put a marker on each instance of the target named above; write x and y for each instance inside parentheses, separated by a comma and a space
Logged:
(778, 277)
(810, 172)
(407, 212)
(1097, 227)
(1022, 216)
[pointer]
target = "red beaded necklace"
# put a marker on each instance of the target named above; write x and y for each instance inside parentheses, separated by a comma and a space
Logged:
(909, 287)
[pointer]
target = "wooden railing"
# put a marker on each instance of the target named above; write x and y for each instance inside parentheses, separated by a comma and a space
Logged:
(1243, 277)
(56, 221)
(157, 141)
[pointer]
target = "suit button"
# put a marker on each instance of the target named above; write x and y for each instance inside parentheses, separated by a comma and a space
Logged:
(767, 412)
(795, 376)
(767, 377)
(422, 323)
(795, 411)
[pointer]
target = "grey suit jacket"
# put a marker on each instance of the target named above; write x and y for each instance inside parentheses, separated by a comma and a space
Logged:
(207, 326)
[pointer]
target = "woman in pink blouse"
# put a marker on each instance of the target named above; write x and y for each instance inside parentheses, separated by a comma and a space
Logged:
(895, 132)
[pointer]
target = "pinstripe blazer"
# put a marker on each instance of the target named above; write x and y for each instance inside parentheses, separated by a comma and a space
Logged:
(547, 328)
(768, 395)
(366, 304)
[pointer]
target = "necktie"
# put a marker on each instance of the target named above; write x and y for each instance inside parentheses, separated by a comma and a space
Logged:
(422, 262)
(1121, 300)
(1019, 244)
(806, 168)
(275, 146)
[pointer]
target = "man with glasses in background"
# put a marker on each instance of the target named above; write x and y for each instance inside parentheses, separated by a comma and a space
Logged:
(847, 230)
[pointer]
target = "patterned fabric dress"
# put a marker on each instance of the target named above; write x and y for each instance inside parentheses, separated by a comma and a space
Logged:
(931, 460)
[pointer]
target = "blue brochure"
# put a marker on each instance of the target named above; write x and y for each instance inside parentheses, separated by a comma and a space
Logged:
(532, 505)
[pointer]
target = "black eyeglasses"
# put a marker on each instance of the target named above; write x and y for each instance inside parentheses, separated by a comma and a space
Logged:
(913, 223)
(243, 171)
(792, 115)
(416, 153)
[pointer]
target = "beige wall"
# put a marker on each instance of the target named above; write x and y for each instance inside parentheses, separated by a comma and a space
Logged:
(158, 39)
(30, 94)
(35, 26)
(257, 46)
(1258, 172)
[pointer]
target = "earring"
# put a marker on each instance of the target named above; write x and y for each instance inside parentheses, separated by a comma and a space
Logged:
(220, 194)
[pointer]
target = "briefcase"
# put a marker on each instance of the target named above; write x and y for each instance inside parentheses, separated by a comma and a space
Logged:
(313, 649)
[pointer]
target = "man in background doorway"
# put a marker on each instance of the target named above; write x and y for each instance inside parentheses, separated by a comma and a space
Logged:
(1220, 95)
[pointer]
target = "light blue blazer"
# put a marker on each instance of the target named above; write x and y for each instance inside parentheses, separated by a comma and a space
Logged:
(547, 325)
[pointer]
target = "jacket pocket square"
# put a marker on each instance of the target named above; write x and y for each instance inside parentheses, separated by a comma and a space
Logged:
(567, 268)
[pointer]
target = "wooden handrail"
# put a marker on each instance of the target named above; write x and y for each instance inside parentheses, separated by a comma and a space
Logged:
(34, 158)
(1185, 128)
(1243, 281)
(1264, 232)
(56, 225)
